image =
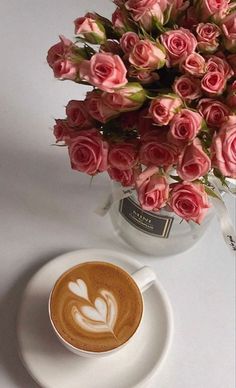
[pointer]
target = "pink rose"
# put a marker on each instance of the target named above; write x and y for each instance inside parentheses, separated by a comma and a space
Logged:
(213, 9)
(139, 8)
(185, 126)
(178, 44)
(220, 65)
(128, 41)
(163, 109)
(59, 51)
(130, 97)
(214, 83)
(153, 190)
(177, 7)
(92, 30)
(194, 65)
(123, 156)
(189, 201)
(148, 14)
(97, 108)
(119, 21)
(193, 163)
(88, 152)
(229, 29)
(106, 71)
(147, 55)
(214, 112)
(231, 97)
(187, 88)
(77, 115)
(207, 34)
(224, 148)
(231, 59)
(156, 150)
(62, 131)
(126, 177)
(65, 69)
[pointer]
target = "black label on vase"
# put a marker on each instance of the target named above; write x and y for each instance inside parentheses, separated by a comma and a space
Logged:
(152, 224)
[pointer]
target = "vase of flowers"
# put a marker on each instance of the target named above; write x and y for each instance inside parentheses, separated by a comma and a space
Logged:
(159, 116)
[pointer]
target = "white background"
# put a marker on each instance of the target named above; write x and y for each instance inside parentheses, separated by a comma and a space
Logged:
(47, 209)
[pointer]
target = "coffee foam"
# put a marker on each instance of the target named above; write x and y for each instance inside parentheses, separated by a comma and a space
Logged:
(96, 306)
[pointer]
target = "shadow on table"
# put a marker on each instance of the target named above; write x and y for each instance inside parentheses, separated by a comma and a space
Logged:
(9, 304)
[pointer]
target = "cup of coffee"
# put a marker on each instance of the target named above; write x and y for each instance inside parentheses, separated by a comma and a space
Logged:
(96, 307)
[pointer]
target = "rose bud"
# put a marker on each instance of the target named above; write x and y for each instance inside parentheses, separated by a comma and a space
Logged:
(189, 201)
(147, 55)
(59, 51)
(120, 21)
(214, 112)
(65, 69)
(177, 7)
(91, 29)
(88, 152)
(123, 156)
(207, 34)
(193, 162)
(77, 115)
(223, 148)
(187, 88)
(127, 178)
(178, 44)
(163, 108)
(152, 190)
(105, 71)
(146, 13)
(62, 131)
(194, 65)
(128, 41)
(229, 30)
(130, 97)
(185, 126)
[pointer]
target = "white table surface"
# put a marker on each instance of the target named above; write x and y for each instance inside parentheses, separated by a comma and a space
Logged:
(47, 209)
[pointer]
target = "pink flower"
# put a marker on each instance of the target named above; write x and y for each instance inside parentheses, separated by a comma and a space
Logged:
(163, 109)
(217, 64)
(224, 148)
(92, 31)
(214, 112)
(62, 131)
(207, 34)
(152, 189)
(77, 115)
(88, 152)
(126, 177)
(130, 97)
(231, 97)
(119, 21)
(146, 8)
(65, 69)
(147, 55)
(185, 126)
(193, 163)
(214, 83)
(59, 51)
(156, 150)
(189, 201)
(97, 108)
(194, 65)
(187, 88)
(128, 41)
(123, 156)
(178, 44)
(105, 71)
(177, 6)
(213, 9)
(229, 29)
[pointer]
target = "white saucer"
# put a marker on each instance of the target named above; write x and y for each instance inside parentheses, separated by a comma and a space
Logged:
(53, 366)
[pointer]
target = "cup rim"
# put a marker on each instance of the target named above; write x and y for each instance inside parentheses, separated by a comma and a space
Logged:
(91, 352)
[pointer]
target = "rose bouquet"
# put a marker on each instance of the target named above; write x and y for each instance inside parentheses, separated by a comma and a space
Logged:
(161, 114)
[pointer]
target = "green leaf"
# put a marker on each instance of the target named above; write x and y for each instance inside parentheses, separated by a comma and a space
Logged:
(211, 192)
(138, 97)
(176, 178)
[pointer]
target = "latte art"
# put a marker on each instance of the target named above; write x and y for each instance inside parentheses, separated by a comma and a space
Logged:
(100, 317)
(96, 306)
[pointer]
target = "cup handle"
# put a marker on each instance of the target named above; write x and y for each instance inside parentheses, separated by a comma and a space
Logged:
(144, 278)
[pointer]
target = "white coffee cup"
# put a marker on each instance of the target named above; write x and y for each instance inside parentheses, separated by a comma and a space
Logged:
(144, 278)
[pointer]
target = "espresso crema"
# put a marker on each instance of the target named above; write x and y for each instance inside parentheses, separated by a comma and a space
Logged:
(96, 306)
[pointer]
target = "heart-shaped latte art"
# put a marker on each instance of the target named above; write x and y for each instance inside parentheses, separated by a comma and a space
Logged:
(98, 317)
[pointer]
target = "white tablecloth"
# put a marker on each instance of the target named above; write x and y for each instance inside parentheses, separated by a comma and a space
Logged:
(47, 209)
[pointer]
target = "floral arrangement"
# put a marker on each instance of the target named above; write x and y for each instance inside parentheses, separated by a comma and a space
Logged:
(161, 114)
